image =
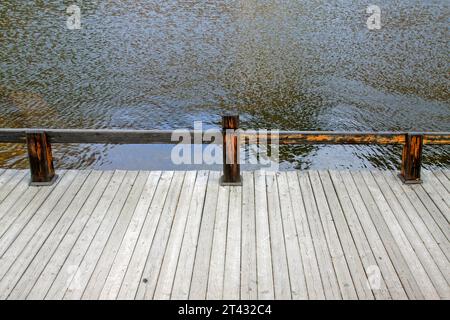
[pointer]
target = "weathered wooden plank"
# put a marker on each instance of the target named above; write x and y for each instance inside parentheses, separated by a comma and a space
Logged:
(115, 277)
(347, 265)
(104, 136)
(351, 221)
(133, 275)
(217, 263)
(437, 233)
(446, 173)
(112, 136)
(200, 272)
(311, 268)
(24, 208)
(164, 136)
(281, 281)
(93, 136)
(291, 221)
(249, 285)
(438, 194)
(183, 274)
(435, 138)
(388, 275)
(7, 213)
(13, 195)
(355, 246)
(422, 230)
(432, 209)
(36, 231)
(400, 263)
(6, 177)
(47, 238)
(327, 137)
(150, 274)
(75, 289)
(9, 181)
(60, 248)
(442, 179)
(263, 250)
(231, 286)
(100, 273)
(169, 264)
(296, 272)
(61, 269)
(440, 184)
(433, 272)
(20, 232)
(12, 135)
(7, 174)
(328, 275)
(397, 232)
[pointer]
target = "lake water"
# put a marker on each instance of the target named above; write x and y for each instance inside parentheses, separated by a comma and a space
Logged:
(288, 65)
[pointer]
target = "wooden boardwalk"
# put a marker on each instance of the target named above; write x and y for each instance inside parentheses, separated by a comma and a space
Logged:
(179, 235)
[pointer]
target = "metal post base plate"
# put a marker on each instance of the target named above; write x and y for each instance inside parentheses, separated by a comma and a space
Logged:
(44, 184)
(417, 181)
(233, 184)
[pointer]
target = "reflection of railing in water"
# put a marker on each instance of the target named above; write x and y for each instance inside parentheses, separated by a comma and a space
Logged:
(43, 173)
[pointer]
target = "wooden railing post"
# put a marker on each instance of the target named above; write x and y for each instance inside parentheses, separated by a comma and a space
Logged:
(231, 168)
(40, 158)
(412, 159)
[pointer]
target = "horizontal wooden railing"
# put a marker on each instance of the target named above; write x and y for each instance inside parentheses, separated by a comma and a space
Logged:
(41, 162)
(108, 136)
(345, 137)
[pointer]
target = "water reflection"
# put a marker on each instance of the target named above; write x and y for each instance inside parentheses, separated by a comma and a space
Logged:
(281, 64)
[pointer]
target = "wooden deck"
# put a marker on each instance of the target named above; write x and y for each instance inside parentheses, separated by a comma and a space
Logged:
(179, 235)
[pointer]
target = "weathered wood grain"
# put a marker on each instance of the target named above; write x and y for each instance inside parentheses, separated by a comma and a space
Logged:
(180, 235)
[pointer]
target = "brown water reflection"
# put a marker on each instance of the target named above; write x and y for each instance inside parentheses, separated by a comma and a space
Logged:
(310, 65)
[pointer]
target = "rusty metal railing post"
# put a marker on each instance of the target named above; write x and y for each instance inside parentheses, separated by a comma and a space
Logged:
(40, 158)
(231, 167)
(412, 159)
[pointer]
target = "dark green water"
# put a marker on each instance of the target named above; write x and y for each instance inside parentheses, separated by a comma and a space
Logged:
(288, 65)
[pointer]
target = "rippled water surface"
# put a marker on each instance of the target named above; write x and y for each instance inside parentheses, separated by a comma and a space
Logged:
(290, 65)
